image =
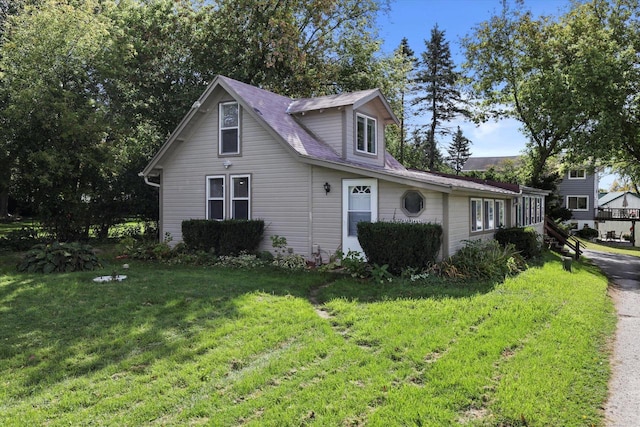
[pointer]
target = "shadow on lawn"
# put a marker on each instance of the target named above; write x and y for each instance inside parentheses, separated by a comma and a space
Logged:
(56, 327)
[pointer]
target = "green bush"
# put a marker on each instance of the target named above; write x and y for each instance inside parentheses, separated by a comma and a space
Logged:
(400, 245)
(587, 233)
(483, 259)
(20, 240)
(525, 240)
(224, 238)
(59, 257)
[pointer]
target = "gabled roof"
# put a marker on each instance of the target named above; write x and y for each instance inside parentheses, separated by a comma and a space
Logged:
(482, 164)
(356, 99)
(614, 195)
(275, 113)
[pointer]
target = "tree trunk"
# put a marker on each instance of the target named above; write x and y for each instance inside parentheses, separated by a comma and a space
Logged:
(4, 203)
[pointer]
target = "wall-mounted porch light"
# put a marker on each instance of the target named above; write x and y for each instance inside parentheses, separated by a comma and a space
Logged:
(327, 188)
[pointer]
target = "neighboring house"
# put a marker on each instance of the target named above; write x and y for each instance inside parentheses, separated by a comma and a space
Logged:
(578, 189)
(579, 192)
(618, 212)
(312, 169)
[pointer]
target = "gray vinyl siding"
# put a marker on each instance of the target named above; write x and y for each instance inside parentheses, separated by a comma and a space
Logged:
(327, 126)
(390, 204)
(279, 183)
(459, 222)
(587, 187)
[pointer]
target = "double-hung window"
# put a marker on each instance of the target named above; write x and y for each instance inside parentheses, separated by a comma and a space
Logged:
(500, 214)
(489, 214)
(578, 203)
(476, 215)
(577, 174)
(229, 128)
(215, 197)
(366, 134)
(241, 197)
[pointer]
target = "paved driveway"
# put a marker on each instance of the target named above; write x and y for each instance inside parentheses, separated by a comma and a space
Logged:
(623, 405)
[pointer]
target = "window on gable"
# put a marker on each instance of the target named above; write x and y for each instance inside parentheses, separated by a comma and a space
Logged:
(578, 203)
(577, 174)
(241, 197)
(229, 128)
(215, 197)
(366, 140)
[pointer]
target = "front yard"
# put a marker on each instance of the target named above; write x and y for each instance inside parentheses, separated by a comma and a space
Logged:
(175, 345)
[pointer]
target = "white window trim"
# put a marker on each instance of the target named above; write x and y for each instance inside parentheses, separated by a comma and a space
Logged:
(583, 171)
(479, 207)
(500, 213)
(366, 127)
(222, 128)
(489, 223)
(233, 197)
(577, 197)
(209, 198)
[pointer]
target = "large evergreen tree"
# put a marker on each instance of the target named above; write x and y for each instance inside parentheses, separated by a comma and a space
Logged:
(437, 89)
(459, 151)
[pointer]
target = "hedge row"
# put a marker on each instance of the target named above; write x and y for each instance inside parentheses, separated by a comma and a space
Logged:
(525, 240)
(229, 237)
(400, 245)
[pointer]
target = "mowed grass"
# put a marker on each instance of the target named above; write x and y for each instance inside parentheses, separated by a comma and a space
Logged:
(188, 346)
(611, 247)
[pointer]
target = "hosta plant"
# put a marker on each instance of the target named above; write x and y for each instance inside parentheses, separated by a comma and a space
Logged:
(59, 257)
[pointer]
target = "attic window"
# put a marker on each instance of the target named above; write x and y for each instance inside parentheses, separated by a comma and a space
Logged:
(366, 134)
(577, 174)
(229, 128)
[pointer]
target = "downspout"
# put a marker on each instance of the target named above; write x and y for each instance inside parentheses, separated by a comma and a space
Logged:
(146, 181)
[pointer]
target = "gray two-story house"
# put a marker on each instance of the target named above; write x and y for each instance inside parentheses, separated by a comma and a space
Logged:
(579, 192)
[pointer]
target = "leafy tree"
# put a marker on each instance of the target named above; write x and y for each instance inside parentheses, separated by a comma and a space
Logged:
(518, 67)
(404, 63)
(437, 89)
(459, 151)
(603, 69)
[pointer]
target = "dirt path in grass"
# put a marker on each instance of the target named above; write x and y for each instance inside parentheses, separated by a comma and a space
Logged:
(313, 299)
(623, 406)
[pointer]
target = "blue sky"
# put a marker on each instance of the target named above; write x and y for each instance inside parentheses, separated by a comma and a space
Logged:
(414, 20)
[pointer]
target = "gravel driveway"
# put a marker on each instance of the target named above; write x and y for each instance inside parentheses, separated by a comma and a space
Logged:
(623, 406)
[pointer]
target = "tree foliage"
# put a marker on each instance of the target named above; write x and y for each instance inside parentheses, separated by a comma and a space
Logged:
(459, 151)
(90, 89)
(437, 89)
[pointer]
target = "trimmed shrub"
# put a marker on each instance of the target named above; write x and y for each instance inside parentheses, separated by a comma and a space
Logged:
(587, 233)
(237, 236)
(201, 234)
(223, 238)
(59, 258)
(400, 245)
(525, 240)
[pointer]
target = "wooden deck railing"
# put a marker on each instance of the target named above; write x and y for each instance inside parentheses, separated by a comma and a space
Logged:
(617, 214)
(551, 229)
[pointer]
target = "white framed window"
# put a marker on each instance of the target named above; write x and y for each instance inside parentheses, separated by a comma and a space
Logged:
(578, 203)
(215, 197)
(240, 196)
(578, 174)
(476, 215)
(229, 128)
(366, 134)
(412, 203)
(489, 214)
(500, 214)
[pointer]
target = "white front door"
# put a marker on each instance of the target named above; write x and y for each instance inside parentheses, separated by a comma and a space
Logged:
(359, 203)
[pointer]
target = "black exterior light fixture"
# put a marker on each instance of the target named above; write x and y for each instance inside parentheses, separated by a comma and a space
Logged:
(327, 188)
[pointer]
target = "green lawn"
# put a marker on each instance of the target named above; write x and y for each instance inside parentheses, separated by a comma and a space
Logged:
(186, 346)
(611, 247)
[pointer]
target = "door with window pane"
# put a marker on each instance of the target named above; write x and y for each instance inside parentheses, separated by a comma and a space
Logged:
(359, 203)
